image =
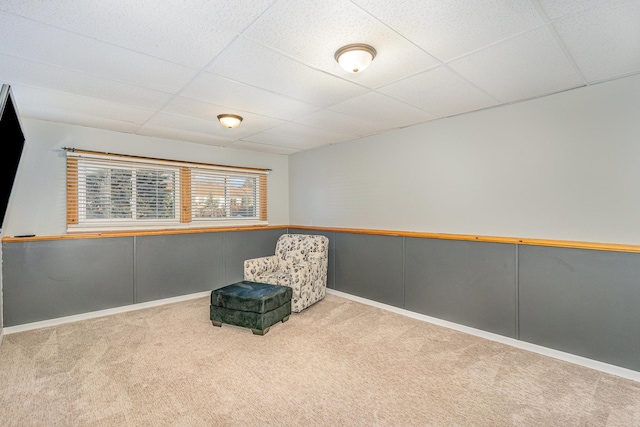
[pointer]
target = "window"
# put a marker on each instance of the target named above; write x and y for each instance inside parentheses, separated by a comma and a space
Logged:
(217, 195)
(120, 192)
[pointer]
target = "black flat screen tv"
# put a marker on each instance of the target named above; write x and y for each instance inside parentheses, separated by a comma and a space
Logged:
(12, 145)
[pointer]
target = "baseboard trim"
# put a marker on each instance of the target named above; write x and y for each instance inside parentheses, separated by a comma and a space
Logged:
(545, 351)
(101, 313)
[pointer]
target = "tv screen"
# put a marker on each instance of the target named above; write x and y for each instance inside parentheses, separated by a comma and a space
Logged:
(12, 144)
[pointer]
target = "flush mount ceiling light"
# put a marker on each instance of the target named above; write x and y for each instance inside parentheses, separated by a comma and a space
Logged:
(229, 120)
(354, 58)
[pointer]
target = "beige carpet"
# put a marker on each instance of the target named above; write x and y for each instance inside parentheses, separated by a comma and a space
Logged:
(338, 363)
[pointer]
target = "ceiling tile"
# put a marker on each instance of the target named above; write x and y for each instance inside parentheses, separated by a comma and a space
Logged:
(526, 66)
(28, 73)
(208, 127)
(309, 133)
(286, 141)
(217, 90)
(449, 29)
(395, 60)
(74, 118)
(41, 43)
(182, 135)
(378, 107)
(312, 31)
(441, 92)
(342, 123)
(555, 9)
(604, 41)
(160, 29)
(234, 15)
(74, 104)
(251, 123)
(253, 146)
(251, 63)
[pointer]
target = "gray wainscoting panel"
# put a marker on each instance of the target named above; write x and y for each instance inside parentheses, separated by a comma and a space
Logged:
(469, 283)
(370, 266)
(179, 264)
(242, 245)
(583, 302)
(49, 279)
(331, 270)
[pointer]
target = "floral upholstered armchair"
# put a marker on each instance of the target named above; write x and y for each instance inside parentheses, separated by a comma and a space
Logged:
(300, 262)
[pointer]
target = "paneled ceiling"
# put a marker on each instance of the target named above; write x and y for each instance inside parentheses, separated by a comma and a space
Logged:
(167, 68)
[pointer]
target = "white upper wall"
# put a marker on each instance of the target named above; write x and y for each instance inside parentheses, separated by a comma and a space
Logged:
(38, 199)
(563, 167)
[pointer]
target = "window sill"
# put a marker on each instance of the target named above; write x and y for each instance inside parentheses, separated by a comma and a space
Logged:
(166, 227)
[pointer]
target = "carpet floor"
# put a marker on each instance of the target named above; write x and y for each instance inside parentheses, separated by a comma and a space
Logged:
(338, 363)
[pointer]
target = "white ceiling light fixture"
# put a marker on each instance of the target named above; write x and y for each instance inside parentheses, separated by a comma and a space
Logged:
(230, 120)
(354, 58)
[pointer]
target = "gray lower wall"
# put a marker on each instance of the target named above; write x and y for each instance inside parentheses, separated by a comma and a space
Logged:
(371, 267)
(178, 264)
(578, 301)
(55, 278)
(583, 302)
(469, 283)
(49, 279)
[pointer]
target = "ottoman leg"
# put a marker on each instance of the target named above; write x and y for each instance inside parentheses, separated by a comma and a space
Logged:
(216, 323)
(285, 318)
(260, 331)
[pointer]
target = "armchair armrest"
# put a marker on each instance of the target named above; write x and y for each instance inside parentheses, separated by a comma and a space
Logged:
(258, 266)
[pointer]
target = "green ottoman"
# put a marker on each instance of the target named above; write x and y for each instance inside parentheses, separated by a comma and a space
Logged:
(252, 305)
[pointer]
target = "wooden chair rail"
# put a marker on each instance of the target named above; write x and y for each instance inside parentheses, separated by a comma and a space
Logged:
(614, 247)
